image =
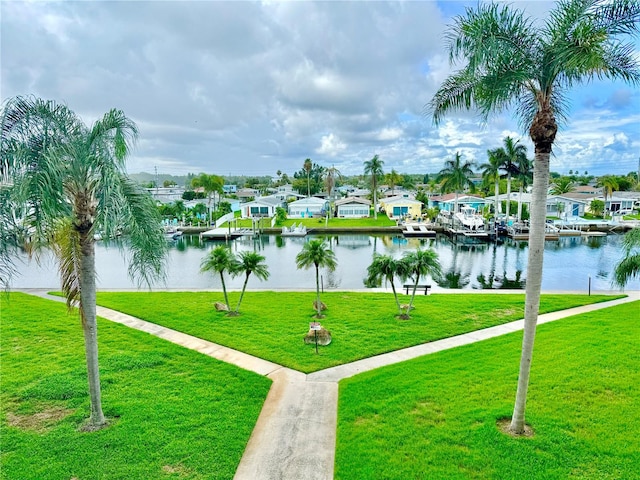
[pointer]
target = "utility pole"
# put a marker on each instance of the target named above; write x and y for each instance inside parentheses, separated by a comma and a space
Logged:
(156, 168)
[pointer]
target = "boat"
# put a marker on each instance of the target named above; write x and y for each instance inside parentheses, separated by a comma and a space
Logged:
(171, 232)
(469, 219)
(294, 231)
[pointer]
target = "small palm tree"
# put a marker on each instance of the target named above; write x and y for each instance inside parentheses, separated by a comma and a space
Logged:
(491, 172)
(331, 176)
(211, 184)
(512, 155)
(525, 178)
(220, 260)
(455, 177)
(387, 268)
(562, 185)
(308, 166)
(373, 168)
(420, 264)
(64, 182)
(250, 262)
(629, 266)
(317, 253)
(510, 60)
(609, 184)
(393, 178)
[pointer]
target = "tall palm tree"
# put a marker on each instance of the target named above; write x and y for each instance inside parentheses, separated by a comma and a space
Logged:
(393, 178)
(629, 266)
(524, 177)
(512, 155)
(211, 184)
(512, 61)
(331, 176)
(387, 268)
(220, 260)
(609, 184)
(65, 182)
(373, 168)
(317, 252)
(420, 264)
(308, 166)
(491, 173)
(455, 177)
(248, 263)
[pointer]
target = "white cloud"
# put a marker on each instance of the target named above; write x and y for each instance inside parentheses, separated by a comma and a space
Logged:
(331, 145)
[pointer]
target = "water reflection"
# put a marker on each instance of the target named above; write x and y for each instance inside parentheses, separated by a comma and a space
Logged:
(569, 262)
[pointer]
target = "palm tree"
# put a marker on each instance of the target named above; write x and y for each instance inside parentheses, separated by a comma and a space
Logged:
(317, 253)
(561, 185)
(387, 268)
(419, 264)
(393, 178)
(629, 266)
(511, 61)
(491, 173)
(373, 167)
(64, 182)
(211, 184)
(220, 260)
(524, 177)
(609, 184)
(455, 176)
(250, 262)
(331, 175)
(308, 166)
(512, 154)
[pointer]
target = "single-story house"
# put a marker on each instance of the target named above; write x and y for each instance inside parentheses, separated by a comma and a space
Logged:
(621, 201)
(166, 194)
(401, 206)
(308, 207)
(261, 207)
(244, 193)
(447, 202)
(563, 207)
(352, 207)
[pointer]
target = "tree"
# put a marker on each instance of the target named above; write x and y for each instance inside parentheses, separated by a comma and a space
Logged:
(331, 176)
(597, 207)
(561, 185)
(387, 268)
(609, 184)
(512, 154)
(629, 266)
(509, 60)
(211, 184)
(220, 260)
(317, 253)
(373, 168)
(248, 263)
(64, 182)
(491, 173)
(455, 176)
(308, 165)
(525, 178)
(420, 264)
(393, 178)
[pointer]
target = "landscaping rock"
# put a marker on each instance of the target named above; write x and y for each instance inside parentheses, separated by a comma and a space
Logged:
(324, 337)
(322, 306)
(221, 307)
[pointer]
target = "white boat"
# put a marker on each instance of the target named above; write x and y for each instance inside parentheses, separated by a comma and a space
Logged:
(468, 217)
(171, 232)
(294, 231)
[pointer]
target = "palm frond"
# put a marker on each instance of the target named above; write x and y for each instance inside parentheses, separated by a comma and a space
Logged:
(66, 246)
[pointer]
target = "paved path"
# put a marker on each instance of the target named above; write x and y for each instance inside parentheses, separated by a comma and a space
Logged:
(295, 435)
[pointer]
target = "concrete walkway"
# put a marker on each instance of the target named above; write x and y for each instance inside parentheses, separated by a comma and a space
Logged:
(295, 435)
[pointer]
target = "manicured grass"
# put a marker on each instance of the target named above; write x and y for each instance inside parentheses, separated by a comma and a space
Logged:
(273, 324)
(435, 417)
(382, 221)
(174, 413)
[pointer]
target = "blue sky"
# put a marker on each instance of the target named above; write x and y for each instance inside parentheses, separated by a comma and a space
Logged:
(250, 88)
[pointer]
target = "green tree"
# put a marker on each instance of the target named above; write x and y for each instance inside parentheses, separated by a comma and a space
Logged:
(420, 263)
(220, 260)
(316, 252)
(248, 263)
(455, 177)
(374, 169)
(629, 266)
(385, 267)
(64, 182)
(509, 60)
(609, 184)
(281, 215)
(211, 184)
(393, 178)
(512, 154)
(597, 207)
(561, 185)
(308, 165)
(524, 178)
(491, 173)
(331, 176)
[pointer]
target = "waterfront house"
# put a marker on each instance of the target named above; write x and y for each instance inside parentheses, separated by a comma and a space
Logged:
(401, 206)
(447, 202)
(261, 207)
(308, 207)
(353, 207)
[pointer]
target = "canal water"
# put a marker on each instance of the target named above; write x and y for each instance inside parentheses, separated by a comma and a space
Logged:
(571, 263)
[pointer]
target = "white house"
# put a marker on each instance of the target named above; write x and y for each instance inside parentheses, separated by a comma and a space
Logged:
(261, 207)
(352, 207)
(563, 207)
(307, 207)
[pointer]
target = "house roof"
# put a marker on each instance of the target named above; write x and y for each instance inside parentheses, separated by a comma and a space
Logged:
(451, 198)
(268, 200)
(348, 200)
(309, 201)
(401, 201)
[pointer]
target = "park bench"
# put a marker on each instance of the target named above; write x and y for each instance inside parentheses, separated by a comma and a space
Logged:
(409, 286)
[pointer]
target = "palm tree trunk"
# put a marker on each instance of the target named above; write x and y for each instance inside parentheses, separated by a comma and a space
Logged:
(413, 294)
(395, 295)
(508, 195)
(318, 304)
(534, 282)
(497, 193)
(308, 185)
(224, 290)
(90, 326)
(375, 199)
(520, 204)
(244, 286)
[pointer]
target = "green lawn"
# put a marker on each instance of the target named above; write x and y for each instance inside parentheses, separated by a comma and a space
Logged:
(382, 221)
(273, 324)
(175, 413)
(435, 417)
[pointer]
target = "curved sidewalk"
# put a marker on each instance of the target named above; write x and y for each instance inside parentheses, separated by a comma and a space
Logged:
(295, 435)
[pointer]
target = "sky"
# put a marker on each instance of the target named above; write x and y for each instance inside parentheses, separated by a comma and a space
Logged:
(252, 88)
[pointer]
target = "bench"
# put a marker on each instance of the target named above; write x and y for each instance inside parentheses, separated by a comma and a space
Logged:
(409, 286)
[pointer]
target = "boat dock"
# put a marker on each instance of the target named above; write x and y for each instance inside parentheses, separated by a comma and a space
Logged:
(225, 234)
(417, 230)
